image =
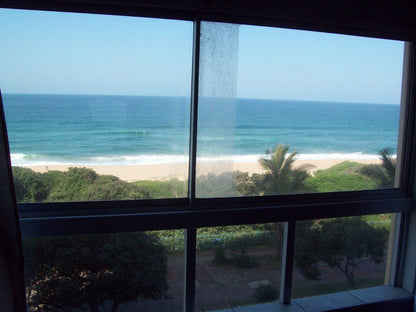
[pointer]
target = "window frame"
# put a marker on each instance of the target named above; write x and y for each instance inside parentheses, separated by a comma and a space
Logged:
(44, 219)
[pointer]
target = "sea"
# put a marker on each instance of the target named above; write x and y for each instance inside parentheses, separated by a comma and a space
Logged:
(127, 130)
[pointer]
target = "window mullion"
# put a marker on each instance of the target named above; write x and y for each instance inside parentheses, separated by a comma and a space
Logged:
(400, 233)
(287, 262)
(194, 113)
(405, 164)
(190, 260)
(190, 238)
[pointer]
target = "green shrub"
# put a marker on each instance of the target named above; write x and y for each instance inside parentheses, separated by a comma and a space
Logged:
(339, 178)
(29, 185)
(266, 293)
(242, 261)
(219, 258)
(216, 185)
(172, 188)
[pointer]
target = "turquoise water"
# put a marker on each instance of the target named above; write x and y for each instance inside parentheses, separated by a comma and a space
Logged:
(79, 129)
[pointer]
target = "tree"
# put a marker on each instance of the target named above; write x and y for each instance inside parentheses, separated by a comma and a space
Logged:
(63, 273)
(248, 185)
(216, 185)
(281, 177)
(341, 243)
(70, 272)
(388, 162)
(29, 185)
(385, 173)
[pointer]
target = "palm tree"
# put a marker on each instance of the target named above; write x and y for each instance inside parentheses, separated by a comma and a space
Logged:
(385, 172)
(280, 177)
(389, 163)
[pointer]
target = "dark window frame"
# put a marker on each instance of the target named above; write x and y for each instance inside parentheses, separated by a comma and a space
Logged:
(190, 213)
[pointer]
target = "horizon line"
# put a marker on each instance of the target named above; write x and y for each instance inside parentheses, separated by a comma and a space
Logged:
(184, 96)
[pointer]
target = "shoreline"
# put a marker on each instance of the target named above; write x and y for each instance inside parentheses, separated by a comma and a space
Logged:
(166, 171)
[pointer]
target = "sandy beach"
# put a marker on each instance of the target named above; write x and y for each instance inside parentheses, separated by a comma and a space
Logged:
(179, 171)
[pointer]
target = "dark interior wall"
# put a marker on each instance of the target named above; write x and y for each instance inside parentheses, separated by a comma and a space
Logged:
(11, 258)
(6, 295)
(390, 19)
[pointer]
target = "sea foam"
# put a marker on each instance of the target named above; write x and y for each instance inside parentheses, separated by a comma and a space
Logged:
(20, 159)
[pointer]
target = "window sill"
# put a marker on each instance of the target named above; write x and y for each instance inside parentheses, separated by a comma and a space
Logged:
(383, 298)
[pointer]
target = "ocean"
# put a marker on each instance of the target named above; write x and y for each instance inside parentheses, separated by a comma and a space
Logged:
(126, 130)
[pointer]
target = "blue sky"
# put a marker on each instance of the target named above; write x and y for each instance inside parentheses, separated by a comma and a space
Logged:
(47, 52)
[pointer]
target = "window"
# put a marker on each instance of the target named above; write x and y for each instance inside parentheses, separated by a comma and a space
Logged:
(162, 126)
(133, 123)
(268, 92)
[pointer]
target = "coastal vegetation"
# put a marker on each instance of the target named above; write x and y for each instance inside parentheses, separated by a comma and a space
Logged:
(280, 177)
(63, 273)
(89, 270)
(340, 243)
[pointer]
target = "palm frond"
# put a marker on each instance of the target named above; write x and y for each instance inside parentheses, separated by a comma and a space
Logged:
(388, 162)
(280, 177)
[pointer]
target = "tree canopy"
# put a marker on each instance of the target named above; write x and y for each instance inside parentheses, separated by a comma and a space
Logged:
(90, 270)
(74, 271)
(341, 243)
(281, 177)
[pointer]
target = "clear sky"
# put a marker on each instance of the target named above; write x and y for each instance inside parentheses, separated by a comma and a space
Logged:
(47, 52)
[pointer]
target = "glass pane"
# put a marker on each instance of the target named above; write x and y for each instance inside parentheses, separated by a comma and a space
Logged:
(289, 111)
(340, 254)
(238, 265)
(140, 271)
(102, 99)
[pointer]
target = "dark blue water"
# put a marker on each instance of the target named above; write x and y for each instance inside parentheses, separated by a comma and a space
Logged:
(46, 129)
